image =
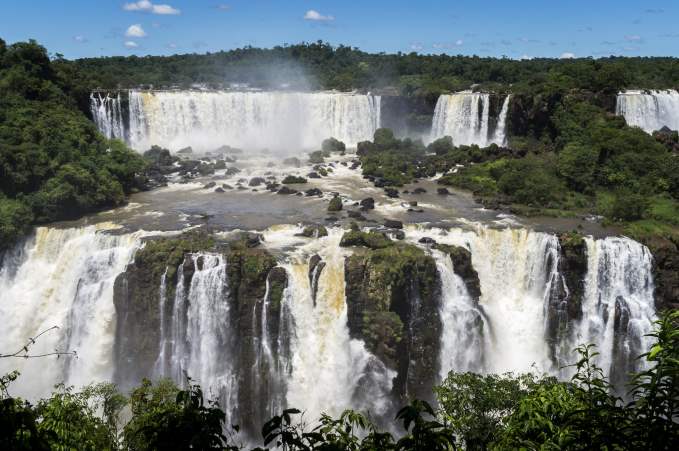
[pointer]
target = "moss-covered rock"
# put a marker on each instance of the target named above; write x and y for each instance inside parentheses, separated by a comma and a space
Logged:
(314, 231)
(293, 179)
(335, 204)
(665, 253)
(393, 296)
(371, 239)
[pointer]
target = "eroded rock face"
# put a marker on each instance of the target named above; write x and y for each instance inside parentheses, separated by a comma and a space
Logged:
(665, 272)
(462, 265)
(253, 283)
(393, 297)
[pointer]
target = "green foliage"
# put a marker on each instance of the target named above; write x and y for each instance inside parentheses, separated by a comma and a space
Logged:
(54, 164)
(335, 204)
(68, 421)
(166, 418)
(577, 163)
(371, 239)
(477, 406)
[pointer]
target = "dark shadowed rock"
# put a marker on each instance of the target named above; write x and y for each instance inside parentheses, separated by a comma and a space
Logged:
(393, 224)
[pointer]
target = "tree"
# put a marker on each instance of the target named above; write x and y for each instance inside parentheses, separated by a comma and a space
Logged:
(577, 164)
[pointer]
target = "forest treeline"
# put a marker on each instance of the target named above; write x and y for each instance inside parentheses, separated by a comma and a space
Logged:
(319, 65)
(475, 412)
(54, 163)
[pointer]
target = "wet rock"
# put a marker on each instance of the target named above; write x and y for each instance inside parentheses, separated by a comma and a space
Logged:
(219, 190)
(368, 203)
(427, 240)
(462, 266)
(209, 185)
(393, 224)
(355, 215)
(226, 186)
(293, 179)
(220, 164)
(185, 151)
(256, 181)
(232, 170)
(398, 234)
(419, 190)
(272, 186)
(253, 239)
(241, 188)
(315, 231)
(413, 203)
(379, 182)
(313, 175)
(391, 192)
(335, 204)
(442, 191)
(316, 265)
(371, 239)
(665, 271)
(287, 190)
(313, 192)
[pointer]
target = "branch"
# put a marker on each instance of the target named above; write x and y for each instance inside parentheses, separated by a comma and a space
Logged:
(23, 352)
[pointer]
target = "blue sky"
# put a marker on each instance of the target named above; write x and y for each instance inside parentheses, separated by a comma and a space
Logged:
(519, 28)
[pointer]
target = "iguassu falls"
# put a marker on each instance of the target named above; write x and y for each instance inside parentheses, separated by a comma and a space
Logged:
(380, 244)
(276, 310)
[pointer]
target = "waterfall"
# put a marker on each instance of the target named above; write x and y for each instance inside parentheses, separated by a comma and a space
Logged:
(208, 120)
(330, 371)
(463, 338)
(62, 277)
(465, 117)
(108, 115)
(649, 110)
(519, 277)
(202, 344)
(500, 134)
(618, 308)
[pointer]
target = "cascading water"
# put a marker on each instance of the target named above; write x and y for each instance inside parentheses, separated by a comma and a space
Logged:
(208, 120)
(618, 308)
(518, 272)
(108, 115)
(464, 336)
(649, 110)
(329, 369)
(64, 278)
(465, 116)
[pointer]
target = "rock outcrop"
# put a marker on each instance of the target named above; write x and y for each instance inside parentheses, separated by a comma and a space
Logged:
(393, 296)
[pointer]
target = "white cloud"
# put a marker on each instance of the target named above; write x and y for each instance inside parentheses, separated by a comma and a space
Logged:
(316, 16)
(567, 55)
(135, 31)
(633, 38)
(525, 57)
(80, 38)
(416, 46)
(459, 42)
(171, 45)
(131, 44)
(148, 7)
(223, 7)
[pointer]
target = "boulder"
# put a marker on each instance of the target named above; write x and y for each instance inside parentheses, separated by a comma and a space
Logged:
(368, 203)
(393, 224)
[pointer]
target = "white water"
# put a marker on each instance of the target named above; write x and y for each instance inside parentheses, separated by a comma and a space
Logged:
(619, 278)
(517, 270)
(62, 277)
(465, 117)
(463, 340)
(253, 120)
(328, 367)
(65, 277)
(649, 110)
(107, 114)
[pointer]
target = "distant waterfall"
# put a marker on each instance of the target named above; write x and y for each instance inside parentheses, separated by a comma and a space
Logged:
(649, 110)
(108, 115)
(465, 116)
(64, 278)
(253, 120)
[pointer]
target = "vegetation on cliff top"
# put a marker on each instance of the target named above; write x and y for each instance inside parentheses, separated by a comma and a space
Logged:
(54, 164)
